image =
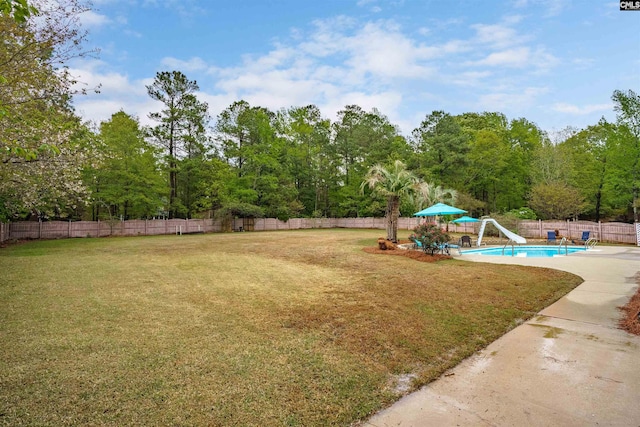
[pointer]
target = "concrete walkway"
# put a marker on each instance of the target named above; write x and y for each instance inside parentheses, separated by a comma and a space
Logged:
(568, 366)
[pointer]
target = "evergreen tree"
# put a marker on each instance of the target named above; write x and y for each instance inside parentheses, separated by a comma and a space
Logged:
(125, 180)
(180, 128)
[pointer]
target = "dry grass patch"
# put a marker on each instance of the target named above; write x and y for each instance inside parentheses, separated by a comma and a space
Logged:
(273, 328)
(630, 320)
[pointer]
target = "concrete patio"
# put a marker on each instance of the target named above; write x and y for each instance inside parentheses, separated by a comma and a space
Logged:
(568, 366)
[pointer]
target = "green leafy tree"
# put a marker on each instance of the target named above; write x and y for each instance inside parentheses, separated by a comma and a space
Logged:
(43, 145)
(181, 124)
(586, 153)
(488, 159)
(556, 201)
(312, 159)
(362, 140)
(442, 148)
(125, 179)
(627, 147)
(250, 143)
(523, 140)
(18, 10)
(393, 184)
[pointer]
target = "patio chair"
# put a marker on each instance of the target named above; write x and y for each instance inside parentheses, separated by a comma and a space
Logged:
(465, 240)
(551, 237)
(583, 239)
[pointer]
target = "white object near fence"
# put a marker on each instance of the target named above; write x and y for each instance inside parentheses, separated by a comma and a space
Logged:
(638, 233)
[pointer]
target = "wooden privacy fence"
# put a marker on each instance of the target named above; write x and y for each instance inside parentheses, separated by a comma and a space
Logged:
(613, 232)
(605, 232)
(67, 229)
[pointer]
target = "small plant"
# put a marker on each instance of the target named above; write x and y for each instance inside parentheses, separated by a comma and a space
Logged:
(429, 237)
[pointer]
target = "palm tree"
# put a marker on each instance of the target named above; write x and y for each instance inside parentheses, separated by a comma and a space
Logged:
(393, 184)
(428, 194)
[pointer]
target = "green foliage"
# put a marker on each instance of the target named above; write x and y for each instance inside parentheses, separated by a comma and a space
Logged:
(627, 148)
(241, 210)
(442, 148)
(181, 134)
(393, 183)
(124, 178)
(19, 10)
(429, 236)
(523, 213)
(43, 145)
(556, 201)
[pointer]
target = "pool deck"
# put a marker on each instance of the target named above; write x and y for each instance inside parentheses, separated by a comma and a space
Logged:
(568, 366)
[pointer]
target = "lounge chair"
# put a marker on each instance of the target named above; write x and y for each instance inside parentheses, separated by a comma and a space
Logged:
(551, 237)
(583, 239)
(465, 240)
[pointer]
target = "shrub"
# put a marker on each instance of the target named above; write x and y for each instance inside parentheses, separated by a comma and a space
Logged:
(523, 213)
(429, 236)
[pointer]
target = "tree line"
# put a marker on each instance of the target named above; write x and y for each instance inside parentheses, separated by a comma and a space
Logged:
(293, 162)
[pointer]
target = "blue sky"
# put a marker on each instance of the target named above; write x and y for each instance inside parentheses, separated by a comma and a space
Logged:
(554, 62)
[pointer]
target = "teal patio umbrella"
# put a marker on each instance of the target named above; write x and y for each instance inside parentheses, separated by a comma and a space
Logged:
(439, 209)
(464, 220)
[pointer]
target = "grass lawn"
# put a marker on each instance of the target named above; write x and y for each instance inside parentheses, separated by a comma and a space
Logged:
(265, 329)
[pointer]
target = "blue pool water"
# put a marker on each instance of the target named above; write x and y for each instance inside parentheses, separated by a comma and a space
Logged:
(526, 251)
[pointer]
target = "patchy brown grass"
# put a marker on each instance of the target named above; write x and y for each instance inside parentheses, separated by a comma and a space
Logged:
(630, 321)
(272, 328)
(415, 255)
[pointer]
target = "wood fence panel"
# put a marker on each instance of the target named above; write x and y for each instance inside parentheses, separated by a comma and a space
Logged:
(618, 232)
(77, 229)
(23, 230)
(532, 229)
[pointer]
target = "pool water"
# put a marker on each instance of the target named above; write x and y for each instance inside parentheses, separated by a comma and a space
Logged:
(526, 251)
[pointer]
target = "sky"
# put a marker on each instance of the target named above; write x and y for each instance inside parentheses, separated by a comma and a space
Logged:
(553, 62)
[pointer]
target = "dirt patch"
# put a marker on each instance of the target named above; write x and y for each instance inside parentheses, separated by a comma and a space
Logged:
(630, 321)
(417, 255)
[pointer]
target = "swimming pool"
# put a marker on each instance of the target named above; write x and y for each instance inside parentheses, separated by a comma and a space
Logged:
(526, 251)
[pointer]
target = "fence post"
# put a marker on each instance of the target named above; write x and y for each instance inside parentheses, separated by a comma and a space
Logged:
(69, 230)
(600, 230)
(39, 228)
(539, 229)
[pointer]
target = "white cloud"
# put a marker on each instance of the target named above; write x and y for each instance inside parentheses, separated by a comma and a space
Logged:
(497, 36)
(193, 64)
(562, 107)
(117, 92)
(376, 64)
(552, 7)
(91, 19)
(470, 78)
(514, 100)
(519, 57)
